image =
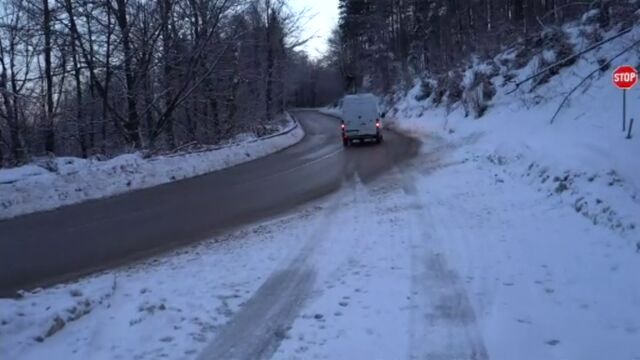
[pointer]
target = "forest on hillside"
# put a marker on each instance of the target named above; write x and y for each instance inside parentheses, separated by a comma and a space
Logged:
(381, 44)
(102, 77)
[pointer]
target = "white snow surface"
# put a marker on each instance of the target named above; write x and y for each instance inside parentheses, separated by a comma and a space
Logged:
(447, 257)
(55, 182)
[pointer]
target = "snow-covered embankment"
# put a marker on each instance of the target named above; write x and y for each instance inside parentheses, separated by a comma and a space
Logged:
(61, 181)
(540, 219)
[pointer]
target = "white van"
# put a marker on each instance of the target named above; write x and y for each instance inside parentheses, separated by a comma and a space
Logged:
(361, 119)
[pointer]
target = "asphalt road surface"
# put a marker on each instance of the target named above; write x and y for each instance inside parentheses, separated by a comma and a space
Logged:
(44, 248)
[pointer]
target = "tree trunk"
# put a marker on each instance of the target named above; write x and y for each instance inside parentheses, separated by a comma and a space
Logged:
(48, 116)
(167, 70)
(269, 85)
(92, 111)
(80, 126)
(107, 84)
(9, 112)
(132, 125)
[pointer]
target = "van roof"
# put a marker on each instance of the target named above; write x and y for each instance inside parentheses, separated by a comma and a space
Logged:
(360, 96)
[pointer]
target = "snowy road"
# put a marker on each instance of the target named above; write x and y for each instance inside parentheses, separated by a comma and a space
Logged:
(50, 246)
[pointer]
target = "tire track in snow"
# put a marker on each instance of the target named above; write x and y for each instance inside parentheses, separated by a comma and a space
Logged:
(258, 328)
(443, 322)
(355, 198)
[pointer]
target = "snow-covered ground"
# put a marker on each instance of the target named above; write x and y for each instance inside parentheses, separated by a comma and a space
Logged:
(51, 183)
(447, 257)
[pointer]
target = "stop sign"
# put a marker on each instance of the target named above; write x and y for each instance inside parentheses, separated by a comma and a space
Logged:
(625, 77)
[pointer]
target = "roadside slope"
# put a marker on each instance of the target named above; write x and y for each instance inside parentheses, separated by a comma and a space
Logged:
(582, 160)
(51, 183)
(539, 219)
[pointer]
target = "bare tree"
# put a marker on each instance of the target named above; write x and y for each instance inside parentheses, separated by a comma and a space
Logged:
(107, 76)
(48, 77)
(389, 42)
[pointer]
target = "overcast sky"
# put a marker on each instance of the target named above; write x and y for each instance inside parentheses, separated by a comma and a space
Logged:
(322, 17)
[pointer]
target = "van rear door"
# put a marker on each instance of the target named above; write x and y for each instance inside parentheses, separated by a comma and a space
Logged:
(360, 114)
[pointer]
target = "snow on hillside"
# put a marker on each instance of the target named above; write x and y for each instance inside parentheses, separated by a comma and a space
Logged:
(51, 183)
(583, 160)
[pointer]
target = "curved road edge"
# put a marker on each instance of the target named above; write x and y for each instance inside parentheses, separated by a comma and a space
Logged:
(32, 189)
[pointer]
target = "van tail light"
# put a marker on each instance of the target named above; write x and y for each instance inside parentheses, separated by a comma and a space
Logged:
(378, 124)
(342, 125)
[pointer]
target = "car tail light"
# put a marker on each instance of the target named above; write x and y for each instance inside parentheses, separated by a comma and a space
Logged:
(377, 124)
(342, 126)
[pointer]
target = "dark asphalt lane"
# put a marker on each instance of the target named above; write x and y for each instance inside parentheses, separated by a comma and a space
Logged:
(44, 248)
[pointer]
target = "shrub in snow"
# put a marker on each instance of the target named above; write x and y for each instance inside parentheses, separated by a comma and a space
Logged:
(58, 324)
(478, 94)
(507, 78)
(426, 90)
(448, 88)
(48, 163)
(556, 48)
(591, 17)
(521, 58)
(592, 34)
(491, 69)
(551, 44)
(624, 13)
(604, 64)
(453, 86)
(438, 93)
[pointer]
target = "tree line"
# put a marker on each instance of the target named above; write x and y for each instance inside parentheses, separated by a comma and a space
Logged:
(102, 77)
(380, 44)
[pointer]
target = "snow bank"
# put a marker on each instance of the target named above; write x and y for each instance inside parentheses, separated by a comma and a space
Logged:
(65, 180)
(583, 158)
(331, 111)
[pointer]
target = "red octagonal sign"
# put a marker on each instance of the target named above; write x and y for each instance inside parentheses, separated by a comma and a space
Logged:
(625, 77)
